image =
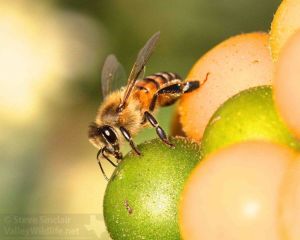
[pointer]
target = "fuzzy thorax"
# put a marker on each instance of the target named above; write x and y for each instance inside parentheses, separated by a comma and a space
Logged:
(130, 118)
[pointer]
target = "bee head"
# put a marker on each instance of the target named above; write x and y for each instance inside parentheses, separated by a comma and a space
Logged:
(104, 136)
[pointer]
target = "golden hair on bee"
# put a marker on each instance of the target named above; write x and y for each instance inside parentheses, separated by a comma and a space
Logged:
(124, 112)
(108, 114)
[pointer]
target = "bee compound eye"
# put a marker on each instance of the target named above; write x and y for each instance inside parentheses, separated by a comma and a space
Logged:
(109, 134)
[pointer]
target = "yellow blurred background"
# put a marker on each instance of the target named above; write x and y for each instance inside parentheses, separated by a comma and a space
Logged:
(51, 53)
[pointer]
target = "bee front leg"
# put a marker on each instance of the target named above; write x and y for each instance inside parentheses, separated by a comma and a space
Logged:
(160, 132)
(102, 153)
(128, 138)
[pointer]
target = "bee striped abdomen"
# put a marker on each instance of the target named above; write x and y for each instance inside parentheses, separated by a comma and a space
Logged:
(148, 86)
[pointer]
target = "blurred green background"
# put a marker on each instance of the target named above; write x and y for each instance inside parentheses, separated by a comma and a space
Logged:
(51, 53)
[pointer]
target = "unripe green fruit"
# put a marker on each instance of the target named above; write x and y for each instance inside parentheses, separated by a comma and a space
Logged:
(141, 198)
(249, 115)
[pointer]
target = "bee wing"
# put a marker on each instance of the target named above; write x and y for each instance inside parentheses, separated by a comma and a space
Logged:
(142, 58)
(112, 76)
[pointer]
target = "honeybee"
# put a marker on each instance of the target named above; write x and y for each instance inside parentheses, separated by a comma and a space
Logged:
(124, 112)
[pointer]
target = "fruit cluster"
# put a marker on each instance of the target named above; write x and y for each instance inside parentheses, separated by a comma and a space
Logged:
(248, 184)
(244, 180)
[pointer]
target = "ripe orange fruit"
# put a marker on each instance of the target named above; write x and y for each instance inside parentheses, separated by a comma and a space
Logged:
(285, 23)
(236, 64)
(234, 193)
(287, 84)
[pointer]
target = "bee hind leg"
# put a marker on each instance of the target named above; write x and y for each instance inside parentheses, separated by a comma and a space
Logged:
(102, 153)
(160, 132)
(177, 88)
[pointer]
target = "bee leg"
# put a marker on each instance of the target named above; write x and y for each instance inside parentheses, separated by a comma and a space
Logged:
(100, 165)
(178, 88)
(190, 86)
(160, 132)
(174, 88)
(127, 136)
(102, 153)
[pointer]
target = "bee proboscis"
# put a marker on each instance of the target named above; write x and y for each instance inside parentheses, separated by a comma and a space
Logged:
(125, 111)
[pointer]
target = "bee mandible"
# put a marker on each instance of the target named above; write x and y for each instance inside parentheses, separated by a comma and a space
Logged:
(125, 111)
